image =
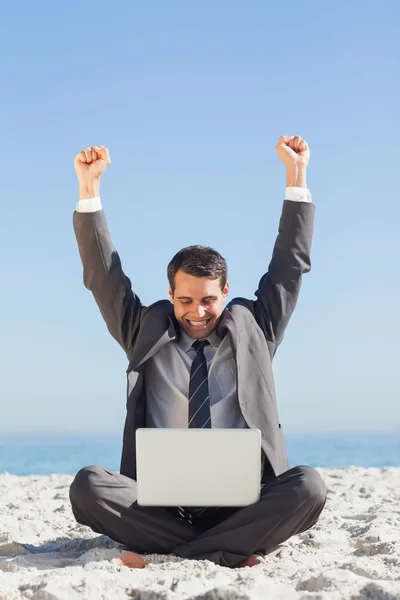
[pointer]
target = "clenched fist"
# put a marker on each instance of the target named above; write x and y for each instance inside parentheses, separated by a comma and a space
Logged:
(91, 163)
(293, 151)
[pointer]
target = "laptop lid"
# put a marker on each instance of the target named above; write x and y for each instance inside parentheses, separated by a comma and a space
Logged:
(198, 467)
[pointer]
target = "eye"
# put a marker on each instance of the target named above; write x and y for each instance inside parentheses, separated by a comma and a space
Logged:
(185, 301)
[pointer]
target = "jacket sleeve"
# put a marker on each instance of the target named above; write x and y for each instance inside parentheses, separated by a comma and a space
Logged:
(104, 277)
(279, 288)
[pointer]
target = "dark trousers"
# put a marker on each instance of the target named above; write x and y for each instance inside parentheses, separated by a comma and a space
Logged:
(289, 504)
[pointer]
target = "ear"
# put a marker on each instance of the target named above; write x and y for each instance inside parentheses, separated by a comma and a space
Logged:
(225, 291)
(171, 294)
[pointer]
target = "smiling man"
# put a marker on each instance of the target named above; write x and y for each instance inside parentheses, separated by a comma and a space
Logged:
(198, 289)
(167, 344)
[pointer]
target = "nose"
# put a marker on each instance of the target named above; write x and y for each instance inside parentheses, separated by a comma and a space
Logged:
(200, 311)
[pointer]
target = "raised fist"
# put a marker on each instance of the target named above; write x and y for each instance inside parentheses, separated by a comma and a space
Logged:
(293, 151)
(91, 163)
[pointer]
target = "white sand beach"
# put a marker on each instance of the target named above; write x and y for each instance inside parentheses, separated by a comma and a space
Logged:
(352, 553)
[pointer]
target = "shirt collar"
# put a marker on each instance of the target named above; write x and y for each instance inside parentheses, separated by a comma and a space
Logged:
(185, 342)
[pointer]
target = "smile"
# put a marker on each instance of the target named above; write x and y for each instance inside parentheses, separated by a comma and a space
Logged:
(198, 323)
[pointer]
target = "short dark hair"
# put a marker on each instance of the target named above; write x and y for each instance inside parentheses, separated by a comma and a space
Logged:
(199, 261)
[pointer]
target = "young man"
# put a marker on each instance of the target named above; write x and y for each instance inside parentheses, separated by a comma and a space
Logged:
(227, 353)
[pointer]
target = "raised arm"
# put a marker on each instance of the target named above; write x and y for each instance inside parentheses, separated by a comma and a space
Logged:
(102, 270)
(279, 288)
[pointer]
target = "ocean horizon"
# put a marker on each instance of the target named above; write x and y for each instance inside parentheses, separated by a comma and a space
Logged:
(46, 456)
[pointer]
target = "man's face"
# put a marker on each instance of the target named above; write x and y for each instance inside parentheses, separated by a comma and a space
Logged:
(198, 303)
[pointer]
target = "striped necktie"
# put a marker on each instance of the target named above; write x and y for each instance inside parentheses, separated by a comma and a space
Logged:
(199, 397)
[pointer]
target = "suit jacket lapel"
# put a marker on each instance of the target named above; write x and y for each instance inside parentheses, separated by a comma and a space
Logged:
(247, 370)
(228, 326)
(146, 348)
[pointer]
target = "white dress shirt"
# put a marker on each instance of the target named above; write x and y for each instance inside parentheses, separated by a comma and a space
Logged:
(167, 373)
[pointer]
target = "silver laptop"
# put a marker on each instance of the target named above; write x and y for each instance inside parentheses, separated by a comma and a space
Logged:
(198, 467)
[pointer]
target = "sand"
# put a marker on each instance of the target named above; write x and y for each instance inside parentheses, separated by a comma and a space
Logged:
(352, 553)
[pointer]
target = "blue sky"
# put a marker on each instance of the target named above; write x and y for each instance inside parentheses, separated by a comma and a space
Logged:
(190, 98)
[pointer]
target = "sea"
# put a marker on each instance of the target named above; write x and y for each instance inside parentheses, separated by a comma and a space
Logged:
(46, 456)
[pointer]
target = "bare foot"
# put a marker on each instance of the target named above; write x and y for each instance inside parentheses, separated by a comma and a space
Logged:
(131, 560)
(252, 561)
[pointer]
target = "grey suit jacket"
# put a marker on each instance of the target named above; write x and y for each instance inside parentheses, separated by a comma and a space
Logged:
(255, 327)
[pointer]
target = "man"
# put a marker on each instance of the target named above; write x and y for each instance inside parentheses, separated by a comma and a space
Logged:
(166, 344)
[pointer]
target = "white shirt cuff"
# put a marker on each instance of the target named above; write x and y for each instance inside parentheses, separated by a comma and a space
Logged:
(298, 194)
(295, 194)
(89, 205)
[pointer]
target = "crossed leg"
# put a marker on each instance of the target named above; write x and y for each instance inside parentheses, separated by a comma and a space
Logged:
(289, 504)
